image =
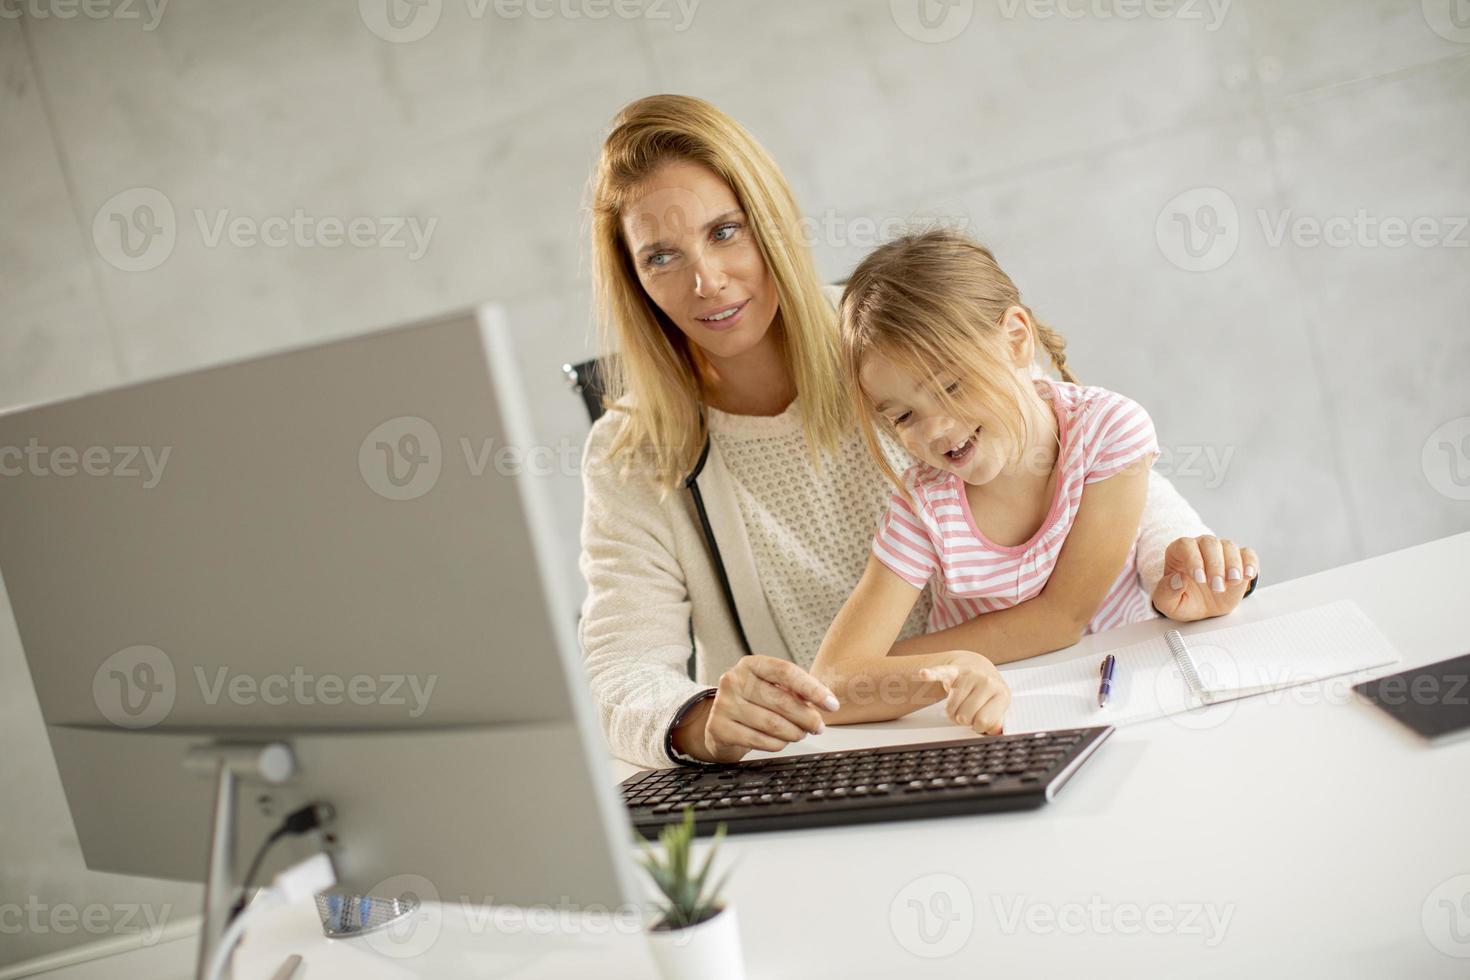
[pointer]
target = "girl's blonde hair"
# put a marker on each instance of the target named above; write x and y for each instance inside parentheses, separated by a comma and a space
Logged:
(934, 303)
(663, 423)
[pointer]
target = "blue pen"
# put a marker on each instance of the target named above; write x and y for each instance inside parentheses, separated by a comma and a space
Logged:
(1106, 687)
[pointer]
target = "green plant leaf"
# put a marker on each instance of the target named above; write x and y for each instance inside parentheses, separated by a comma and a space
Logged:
(687, 902)
(709, 858)
(719, 887)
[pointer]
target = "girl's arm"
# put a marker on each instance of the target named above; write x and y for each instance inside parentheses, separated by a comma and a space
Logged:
(855, 662)
(1089, 563)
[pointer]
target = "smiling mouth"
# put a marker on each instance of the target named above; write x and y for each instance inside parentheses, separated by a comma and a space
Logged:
(723, 314)
(960, 451)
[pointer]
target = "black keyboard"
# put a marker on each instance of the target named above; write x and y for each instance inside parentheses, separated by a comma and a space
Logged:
(895, 782)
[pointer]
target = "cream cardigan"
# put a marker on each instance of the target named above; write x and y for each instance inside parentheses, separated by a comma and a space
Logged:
(650, 579)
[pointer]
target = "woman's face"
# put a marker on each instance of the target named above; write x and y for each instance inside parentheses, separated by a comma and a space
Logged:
(698, 260)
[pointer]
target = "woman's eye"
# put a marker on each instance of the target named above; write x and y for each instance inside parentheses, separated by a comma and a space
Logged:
(726, 231)
(952, 388)
(900, 420)
(658, 260)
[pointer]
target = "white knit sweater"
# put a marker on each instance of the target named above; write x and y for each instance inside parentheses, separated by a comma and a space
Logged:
(794, 541)
(809, 533)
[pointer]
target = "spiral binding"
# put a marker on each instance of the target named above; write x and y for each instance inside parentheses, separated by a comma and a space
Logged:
(1184, 661)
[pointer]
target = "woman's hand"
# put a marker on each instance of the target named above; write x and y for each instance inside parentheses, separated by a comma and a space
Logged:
(1204, 577)
(978, 695)
(761, 703)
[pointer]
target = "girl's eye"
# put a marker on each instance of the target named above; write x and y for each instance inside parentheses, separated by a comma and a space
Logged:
(952, 387)
(726, 231)
(902, 418)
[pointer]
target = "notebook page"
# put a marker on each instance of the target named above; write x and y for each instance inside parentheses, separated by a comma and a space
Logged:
(1146, 684)
(1296, 648)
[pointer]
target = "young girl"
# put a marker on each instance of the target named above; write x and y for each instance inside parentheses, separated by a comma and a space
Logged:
(1010, 468)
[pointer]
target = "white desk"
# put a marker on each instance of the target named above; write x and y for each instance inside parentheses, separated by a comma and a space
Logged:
(1323, 839)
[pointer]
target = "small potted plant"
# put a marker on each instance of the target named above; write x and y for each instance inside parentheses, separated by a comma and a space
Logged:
(696, 936)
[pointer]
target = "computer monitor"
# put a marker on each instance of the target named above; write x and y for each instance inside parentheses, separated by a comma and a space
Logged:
(342, 548)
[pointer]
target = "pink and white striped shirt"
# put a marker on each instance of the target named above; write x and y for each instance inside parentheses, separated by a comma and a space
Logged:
(929, 532)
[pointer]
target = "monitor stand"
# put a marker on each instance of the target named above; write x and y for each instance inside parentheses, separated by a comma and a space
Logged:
(230, 764)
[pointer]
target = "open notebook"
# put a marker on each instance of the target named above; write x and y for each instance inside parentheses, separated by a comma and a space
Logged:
(1172, 673)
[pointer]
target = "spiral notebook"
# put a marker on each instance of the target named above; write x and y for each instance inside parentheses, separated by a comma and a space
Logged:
(1172, 673)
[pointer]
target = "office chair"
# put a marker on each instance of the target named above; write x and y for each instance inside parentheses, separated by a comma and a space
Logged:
(588, 380)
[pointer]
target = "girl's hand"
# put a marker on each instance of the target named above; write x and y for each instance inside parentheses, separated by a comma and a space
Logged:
(1204, 577)
(978, 695)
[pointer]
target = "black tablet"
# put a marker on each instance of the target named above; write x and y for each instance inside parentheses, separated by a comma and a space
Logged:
(1433, 700)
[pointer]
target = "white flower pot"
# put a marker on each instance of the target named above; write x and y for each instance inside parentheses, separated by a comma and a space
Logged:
(708, 951)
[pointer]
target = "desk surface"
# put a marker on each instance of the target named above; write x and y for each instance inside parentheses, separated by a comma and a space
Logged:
(1298, 833)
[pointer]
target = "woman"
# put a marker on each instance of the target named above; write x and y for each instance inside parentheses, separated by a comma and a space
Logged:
(728, 382)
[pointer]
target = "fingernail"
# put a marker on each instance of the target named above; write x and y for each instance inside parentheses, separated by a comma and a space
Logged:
(831, 702)
(1176, 581)
(1233, 575)
(1250, 571)
(1199, 575)
(821, 727)
(1217, 584)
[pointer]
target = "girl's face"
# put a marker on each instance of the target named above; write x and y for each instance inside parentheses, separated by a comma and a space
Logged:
(698, 260)
(973, 446)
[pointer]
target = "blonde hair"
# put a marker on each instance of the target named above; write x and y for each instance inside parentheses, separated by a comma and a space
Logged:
(655, 362)
(934, 302)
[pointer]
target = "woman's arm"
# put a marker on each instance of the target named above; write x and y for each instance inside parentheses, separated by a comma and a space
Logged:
(634, 629)
(1167, 517)
(854, 659)
(634, 634)
(1179, 558)
(1088, 565)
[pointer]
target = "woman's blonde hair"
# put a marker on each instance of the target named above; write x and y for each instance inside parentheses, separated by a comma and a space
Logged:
(934, 303)
(655, 364)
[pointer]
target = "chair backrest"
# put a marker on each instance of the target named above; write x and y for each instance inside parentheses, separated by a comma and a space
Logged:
(589, 380)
